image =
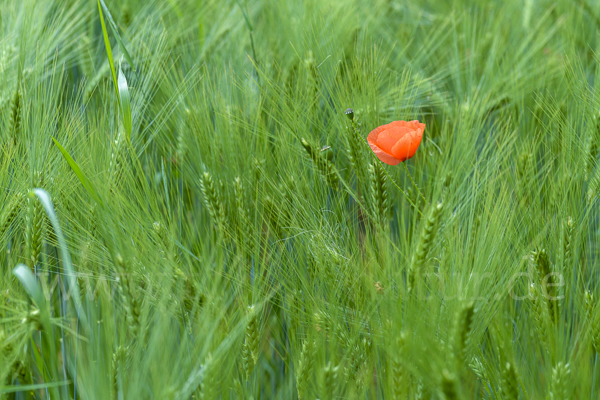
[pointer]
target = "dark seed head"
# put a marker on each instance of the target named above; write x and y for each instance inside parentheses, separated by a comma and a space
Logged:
(350, 113)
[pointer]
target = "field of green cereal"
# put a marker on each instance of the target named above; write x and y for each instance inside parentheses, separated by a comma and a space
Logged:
(187, 211)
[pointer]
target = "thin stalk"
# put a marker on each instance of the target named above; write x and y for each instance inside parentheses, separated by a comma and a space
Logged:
(250, 30)
(414, 184)
(402, 191)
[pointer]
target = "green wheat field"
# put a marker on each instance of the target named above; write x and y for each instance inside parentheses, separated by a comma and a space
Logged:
(188, 211)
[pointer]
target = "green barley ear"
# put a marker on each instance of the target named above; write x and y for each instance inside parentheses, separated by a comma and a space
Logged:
(115, 164)
(593, 186)
(449, 385)
(479, 369)
(19, 369)
(425, 243)
(324, 323)
(359, 354)
(419, 390)
(305, 367)
(379, 194)
(510, 383)
(192, 298)
(593, 319)
(541, 317)
(596, 335)
(258, 169)
(590, 152)
(167, 247)
(212, 201)
(588, 298)
(119, 367)
(446, 181)
(399, 378)
(181, 149)
(273, 215)
(250, 348)
(15, 115)
(34, 225)
(130, 302)
(209, 388)
(462, 331)
(311, 65)
(541, 262)
(328, 380)
(567, 244)
(10, 213)
(560, 379)
(324, 166)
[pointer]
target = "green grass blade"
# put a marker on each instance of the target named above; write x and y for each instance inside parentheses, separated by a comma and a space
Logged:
(70, 274)
(125, 103)
(108, 51)
(248, 24)
(27, 279)
(116, 33)
(26, 388)
(87, 184)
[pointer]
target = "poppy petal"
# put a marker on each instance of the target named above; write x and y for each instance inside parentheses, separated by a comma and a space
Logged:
(407, 146)
(374, 134)
(390, 136)
(383, 156)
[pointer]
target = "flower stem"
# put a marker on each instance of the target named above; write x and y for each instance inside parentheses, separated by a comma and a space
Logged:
(414, 184)
(403, 192)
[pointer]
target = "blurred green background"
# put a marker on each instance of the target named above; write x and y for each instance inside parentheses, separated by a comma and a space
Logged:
(228, 234)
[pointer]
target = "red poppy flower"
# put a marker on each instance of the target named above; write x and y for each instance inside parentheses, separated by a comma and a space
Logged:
(397, 141)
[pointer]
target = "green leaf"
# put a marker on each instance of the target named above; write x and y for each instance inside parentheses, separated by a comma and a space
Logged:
(87, 184)
(26, 388)
(68, 268)
(116, 33)
(108, 51)
(125, 103)
(27, 279)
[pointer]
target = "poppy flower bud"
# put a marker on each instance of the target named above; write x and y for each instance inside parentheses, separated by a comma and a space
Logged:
(350, 113)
